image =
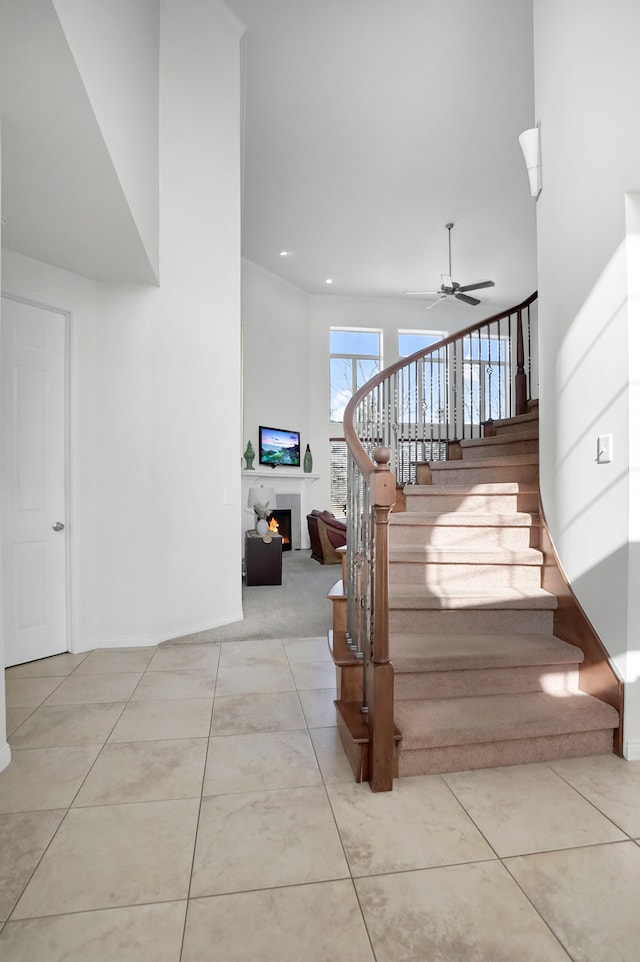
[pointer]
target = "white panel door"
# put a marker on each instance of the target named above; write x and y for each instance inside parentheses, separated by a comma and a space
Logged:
(34, 537)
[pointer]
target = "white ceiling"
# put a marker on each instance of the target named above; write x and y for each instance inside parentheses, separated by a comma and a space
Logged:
(370, 124)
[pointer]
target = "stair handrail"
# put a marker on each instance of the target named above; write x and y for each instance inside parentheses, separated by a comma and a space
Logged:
(453, 379)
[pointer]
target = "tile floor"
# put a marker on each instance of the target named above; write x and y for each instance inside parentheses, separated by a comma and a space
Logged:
(191, 803)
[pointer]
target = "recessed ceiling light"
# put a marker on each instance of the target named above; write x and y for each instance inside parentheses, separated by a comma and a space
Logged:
(284, 253)
(329, 280)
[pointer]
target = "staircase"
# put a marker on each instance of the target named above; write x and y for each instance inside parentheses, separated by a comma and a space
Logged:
(480, 679)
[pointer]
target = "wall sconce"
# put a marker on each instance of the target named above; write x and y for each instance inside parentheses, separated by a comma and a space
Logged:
(530, 144)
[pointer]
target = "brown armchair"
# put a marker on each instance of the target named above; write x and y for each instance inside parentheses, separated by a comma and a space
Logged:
(326, 533)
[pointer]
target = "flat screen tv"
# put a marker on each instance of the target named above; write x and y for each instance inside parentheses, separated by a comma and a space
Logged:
(279, 447)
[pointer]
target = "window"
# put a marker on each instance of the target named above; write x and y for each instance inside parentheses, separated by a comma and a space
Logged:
(423, 387)
(486, 377)
(355, 356)
(338, 479)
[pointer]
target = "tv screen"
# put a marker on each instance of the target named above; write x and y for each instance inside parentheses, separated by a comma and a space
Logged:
(278, 446)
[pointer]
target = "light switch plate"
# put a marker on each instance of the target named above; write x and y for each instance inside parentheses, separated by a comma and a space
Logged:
(605, 449)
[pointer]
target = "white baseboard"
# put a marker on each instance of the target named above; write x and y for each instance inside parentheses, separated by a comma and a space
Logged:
(632, 750)
(5, 756)
(144, 641)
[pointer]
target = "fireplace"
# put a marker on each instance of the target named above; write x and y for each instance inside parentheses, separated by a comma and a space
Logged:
(280, 523)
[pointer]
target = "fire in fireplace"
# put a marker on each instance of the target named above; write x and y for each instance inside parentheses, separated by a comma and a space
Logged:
(280, 523)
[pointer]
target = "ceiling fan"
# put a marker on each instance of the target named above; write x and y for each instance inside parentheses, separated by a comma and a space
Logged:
(451, 288)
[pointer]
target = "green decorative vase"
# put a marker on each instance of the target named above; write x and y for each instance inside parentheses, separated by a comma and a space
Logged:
(249, 455)
(308, 461)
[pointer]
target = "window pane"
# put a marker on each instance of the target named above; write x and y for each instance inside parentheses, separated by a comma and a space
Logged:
(365, 369)
(411, 341)
(338, 475)
(341, 385)
(355, 342)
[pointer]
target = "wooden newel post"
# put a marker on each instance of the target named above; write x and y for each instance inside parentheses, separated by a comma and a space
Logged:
(382, 485)
(521, 377)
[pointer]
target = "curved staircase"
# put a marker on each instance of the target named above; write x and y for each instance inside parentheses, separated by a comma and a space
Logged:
(480, 679)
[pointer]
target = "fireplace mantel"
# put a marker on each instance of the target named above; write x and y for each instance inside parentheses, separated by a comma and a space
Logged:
(295, 489)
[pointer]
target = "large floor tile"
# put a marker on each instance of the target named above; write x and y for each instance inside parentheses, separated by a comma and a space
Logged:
(39, 779)
(306, 649)
(417, 825)
(114, 855)
(164, 718)
(239, 680)
(62, 665)
(528, 808)
(331, 757)
(259, 762)
(588, 897)
(318, 707)
(612, 784)
(454, 914)
(252, 654)
(58, 725)
(108, 661)
(265, 840)
(23, 838)
(91, 689)
(145, 771)
(314, 923)
(185, 658)
(313, 674)
(15, 717)
(258, 712)
(30, 692)
(175, 684)
(145, 933)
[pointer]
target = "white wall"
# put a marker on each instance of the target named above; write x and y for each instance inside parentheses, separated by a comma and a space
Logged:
(156, 373)
(5, 751)
(116, 48)
(587, 92)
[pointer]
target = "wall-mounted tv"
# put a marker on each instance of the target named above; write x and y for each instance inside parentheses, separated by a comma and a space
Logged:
(279, 447)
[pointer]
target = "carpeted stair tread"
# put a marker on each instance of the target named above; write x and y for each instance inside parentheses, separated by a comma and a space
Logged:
(503, 461)
(481, 487)
(434, 652)
(460, 519)
(488, 718)
(427, 554)
(531, 434)
(426, 597)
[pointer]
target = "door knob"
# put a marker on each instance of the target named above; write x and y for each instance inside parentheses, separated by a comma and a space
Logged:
(57, 526)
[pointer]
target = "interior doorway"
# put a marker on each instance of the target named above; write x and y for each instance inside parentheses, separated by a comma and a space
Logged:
(34, 480)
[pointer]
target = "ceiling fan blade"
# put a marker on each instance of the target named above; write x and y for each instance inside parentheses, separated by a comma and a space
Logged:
(477, 286)
(421, 293)
(465, 297)
(442, 297)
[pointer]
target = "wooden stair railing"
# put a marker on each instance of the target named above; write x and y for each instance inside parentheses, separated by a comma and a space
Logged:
(416, 410)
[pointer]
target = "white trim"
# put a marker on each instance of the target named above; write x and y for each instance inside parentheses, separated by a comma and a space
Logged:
(632, 750)
(5, 756)
(145, 641)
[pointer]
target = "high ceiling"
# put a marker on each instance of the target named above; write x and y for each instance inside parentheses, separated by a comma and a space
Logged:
(369, 125)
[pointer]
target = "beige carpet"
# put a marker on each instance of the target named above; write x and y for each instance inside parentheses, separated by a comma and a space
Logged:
(298, 608)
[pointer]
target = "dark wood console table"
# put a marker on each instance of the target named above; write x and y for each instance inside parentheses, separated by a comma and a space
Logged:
(263, 559)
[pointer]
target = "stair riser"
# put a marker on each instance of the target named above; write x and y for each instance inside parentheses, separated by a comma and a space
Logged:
(485, 681)
(469, 576)
(457, 758)
(503, 450)
(439, 502)
(441, 535)
(453, 473)
(480, 620)
(500, 430)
